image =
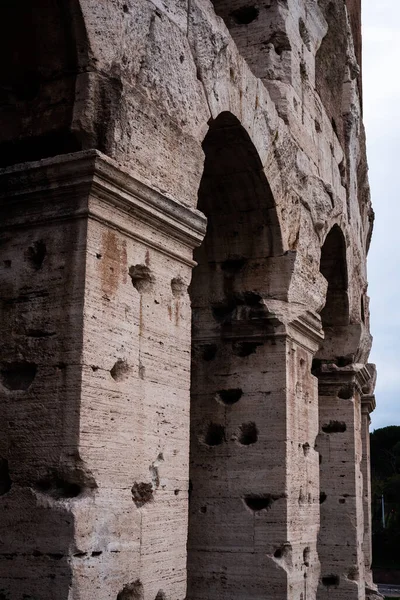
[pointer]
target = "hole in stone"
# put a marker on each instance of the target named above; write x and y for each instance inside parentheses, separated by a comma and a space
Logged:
(306, 449)
(331, 580)
(334, 427)
(142, 278)
(97, 553)
(243, 349)
(5, 480)
(215, 435)
(17, 375)
(245, 15)
(132, 591)
(229, 397)
(142, 493)
(161, 595)
(57, 487)
(322, 497)
(306, 556)
(176, 492)
(248, 434)
(203, 509)
(346, 392)
(79, 554)
(98, 255)
(259, 502)
(7, 264)
(209, 351)
(344, 361)
(120, 370)
(342, 500)
(317, 126)
(36, 254)
(222, 310)
(178, 287)
(283, 551)
(125, 8)
(231, 266)
(40, 333)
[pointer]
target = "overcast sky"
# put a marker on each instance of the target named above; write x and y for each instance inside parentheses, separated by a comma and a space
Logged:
(381, 82)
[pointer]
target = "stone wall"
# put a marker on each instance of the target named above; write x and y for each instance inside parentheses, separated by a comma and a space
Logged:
(185, 326)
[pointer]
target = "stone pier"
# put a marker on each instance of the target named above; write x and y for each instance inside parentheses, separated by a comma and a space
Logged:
(95, 376)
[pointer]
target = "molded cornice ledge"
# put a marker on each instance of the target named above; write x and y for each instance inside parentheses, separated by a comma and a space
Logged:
(93, 176)
(332, 378)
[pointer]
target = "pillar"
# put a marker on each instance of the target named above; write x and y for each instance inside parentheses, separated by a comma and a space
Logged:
(341, 536)
(94, 383)
(368, 404)
(254, 503)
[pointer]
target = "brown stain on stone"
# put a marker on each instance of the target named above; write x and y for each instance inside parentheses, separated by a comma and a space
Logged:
(124, 262)
(113, 263)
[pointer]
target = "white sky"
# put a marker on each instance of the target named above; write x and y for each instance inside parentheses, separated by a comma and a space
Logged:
(381, 83)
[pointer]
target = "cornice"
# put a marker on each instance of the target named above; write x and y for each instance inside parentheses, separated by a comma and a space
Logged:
(96, 176)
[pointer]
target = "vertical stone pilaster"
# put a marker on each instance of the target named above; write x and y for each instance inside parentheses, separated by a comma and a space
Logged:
(254, 504)
(341, 536)
(95, 376)
(368, 405)
(302, 457)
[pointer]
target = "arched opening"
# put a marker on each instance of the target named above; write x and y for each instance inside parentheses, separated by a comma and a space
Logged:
(339, 438)
(335, 314)
(237, 412)
(42, 44)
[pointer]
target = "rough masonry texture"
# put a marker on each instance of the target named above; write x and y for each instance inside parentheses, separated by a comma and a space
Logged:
(184, 377)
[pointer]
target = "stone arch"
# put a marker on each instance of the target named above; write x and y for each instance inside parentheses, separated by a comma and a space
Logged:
(43, 48)
(233, 412)
(233, 174)
(335, 313)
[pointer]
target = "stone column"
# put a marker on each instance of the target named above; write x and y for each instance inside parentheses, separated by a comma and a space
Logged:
(368, 404)
(94, 383)
(255, 499)
(341, 536)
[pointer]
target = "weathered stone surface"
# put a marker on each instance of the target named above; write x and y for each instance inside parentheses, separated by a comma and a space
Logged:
(169, 417)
